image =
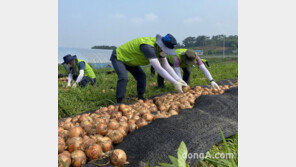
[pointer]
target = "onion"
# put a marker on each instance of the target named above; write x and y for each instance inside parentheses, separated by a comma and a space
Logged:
(100, 121)
(148, 117)
(162, 108)
(61, 145)
(105, 143)
(75, 119)
(78, 158)
(87, 141)
(226, 87)
(94, 152)
(116, 114)
(122, 106)
(104, 109)
(185, 88)
(64, 134)
(122, 119)
(60, 130)
(102, 129)
(174, 107)
(118, 157)
(96, 137)
(173, 112)
(141, 122)
(65, 157)
(76, 132)
(75, 143)
(115, 136)
(111, 108)
(84, 117)
(131, 127)
(68, 125)
(123, 131)
(113, 124)
(136, 117)
(221, 91)
(68, 120)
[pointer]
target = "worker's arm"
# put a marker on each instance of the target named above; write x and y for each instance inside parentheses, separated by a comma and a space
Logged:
(70, 77)
(169, 69)
(206, 73)
(176, 64)
(161, 71)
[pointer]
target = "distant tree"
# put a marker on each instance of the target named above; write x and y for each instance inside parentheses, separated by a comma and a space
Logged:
(189, 42)
(104, 47)
(201, 40)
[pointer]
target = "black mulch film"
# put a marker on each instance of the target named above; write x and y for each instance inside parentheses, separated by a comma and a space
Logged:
(197, 127)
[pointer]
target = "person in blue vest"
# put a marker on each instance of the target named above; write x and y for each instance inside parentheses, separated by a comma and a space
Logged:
(80, 71)
(143, 51)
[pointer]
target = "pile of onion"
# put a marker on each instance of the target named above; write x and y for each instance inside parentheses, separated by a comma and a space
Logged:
(90, 136)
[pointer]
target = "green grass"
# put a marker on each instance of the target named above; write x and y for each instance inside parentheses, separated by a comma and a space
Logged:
(75, 101)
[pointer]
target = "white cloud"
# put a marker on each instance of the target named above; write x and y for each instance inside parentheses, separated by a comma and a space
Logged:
(150, 17)
(192, 20)
(137, 20)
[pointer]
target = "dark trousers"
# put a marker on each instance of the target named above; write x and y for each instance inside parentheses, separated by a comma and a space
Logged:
(121, 70)
(186, 77)
(85, 80)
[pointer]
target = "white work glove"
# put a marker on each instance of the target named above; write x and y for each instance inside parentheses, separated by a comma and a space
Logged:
(215, 85)
(74, 85)
(182, 81)
(178, 86)
(68, 85)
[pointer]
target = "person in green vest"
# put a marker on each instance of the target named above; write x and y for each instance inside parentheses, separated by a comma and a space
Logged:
(185, 58)
(143, 51)
(80, 71)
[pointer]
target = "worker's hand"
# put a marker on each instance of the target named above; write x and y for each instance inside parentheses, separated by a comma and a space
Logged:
(178, 86)
(182, 81)
(74, 85)
(68, 85)
(215, 85)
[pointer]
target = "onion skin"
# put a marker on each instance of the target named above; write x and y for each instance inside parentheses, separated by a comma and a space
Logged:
(115, 136)
(106, 144)
(61, 145)
(75, 143)
(65, 157)
(186, 89)
(60, 130)
(118, 157)
(78, 158)
(94, 152)
(102, 129)
(141, 122)
(148, 117)
(113, 124)
(76, 132)
(87, 141)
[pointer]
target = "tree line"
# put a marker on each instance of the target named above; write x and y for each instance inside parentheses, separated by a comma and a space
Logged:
(216, 44)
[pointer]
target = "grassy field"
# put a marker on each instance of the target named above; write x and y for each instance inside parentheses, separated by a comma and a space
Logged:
(75, 101)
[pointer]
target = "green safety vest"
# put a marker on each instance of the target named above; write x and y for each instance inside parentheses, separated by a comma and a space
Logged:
(88, 71)
(130, 53)
(178, 54)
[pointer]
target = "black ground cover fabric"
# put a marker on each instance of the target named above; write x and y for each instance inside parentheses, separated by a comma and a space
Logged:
(197, 127)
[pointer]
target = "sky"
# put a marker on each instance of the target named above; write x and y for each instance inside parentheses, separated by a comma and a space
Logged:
(85, 23)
